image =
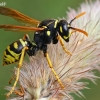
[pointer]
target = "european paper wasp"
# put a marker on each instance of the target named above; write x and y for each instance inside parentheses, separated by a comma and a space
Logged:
(45, 32)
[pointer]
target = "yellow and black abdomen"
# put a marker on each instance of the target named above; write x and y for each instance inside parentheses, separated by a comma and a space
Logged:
(13, 52)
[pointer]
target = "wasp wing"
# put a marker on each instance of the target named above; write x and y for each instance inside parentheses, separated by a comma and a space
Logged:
(20, 28)
(18, 16)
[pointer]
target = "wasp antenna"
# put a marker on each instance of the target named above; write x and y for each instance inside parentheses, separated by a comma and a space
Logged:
(79, 30)
(81, 14)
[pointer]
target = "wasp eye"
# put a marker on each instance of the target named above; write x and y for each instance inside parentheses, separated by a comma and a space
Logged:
(65, 27)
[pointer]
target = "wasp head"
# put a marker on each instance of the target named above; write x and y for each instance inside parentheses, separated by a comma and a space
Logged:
(64, 28)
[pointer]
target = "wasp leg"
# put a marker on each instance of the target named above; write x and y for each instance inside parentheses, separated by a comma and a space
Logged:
(13, 78)
(18, 70)
(50, 65)
(19, 92)
(26, 37)
(61, 42)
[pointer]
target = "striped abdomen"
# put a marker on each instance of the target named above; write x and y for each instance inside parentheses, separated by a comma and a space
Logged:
(13, 52)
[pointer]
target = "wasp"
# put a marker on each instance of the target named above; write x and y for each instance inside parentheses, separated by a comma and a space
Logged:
(45, 32)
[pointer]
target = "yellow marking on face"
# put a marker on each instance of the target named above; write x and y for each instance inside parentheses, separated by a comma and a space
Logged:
(65, 37)
(15, 45)
(48, 33)
(23, 42)
(61, 29)
(55, 25)
(16, 56)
